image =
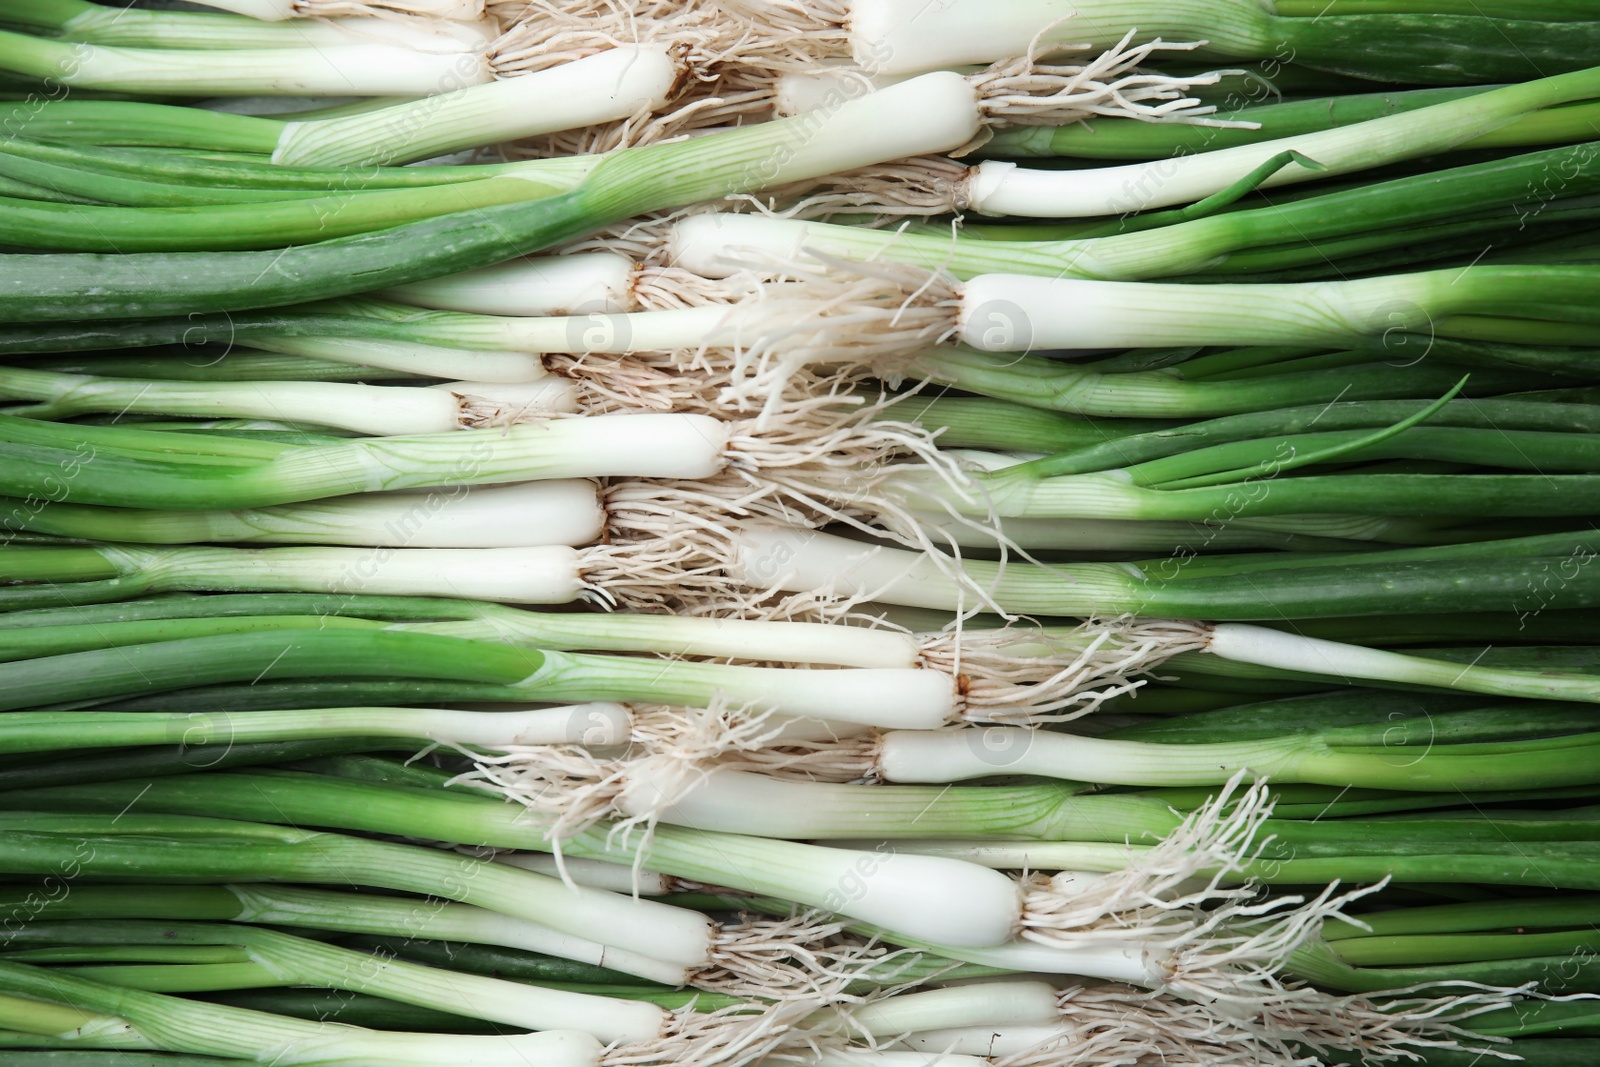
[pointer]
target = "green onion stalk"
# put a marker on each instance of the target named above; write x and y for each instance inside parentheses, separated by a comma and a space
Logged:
(1401, 849)
(459, 114)
(908, 697)
(737, 792)
(374, 1013)
(211, 471)
(1083, 445)
(713, 324)
(1403, 630)
(1435, 47)
(46, 12)
(201, 363)
(359, 68)
(288, 338)
(1022, 503)
(994, 672)
(883, 39)
(1508, 304)
(561, 958)
(53, 631)
(938, 112)
(1250, 120)
(207, 973)
(370, 409)
(548, 574)
(76, 20)
(22, 1056)
(992, 314)
(1518, 939)
(1549, 10)
(1024, 675)
(1572, 1017)
(260, 225)
(1203, 669)
(570, 512)
(53, 1007)
(1375, 372)
(101, 764)
(67, 159)
(284, 959)
(1415, 581)
(451, 64)
(971, 905)
(1384, 214)
(251, 429)
(995, 187)
(653, 938)
(206, 736)
(878, 971)
(593, 363)
(596, 282)
(518, 515)
(905, 757)
(1494, 479)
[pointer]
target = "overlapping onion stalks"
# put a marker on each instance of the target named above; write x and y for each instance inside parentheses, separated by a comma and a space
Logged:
(334, 524)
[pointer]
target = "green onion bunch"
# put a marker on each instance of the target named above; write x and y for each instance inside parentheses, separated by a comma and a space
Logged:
(732, 533)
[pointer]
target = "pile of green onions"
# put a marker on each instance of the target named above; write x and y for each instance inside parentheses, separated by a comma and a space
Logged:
(732, 533)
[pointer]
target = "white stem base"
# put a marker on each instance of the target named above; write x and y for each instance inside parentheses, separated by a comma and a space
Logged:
(424, 360)
(1274, 648)
(546, 575)
(944, 902)
(987, 1004)
(935, 112)
(376, 1048)
(520, 515)
(340, 70)
(592, 283)
(1017, 313)
(600, 88)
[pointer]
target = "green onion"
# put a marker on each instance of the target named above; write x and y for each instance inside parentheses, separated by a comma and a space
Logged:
(915, 697)
(379, 410)
(65, 730)
(947, 900)
(820, 563)
(188, 470)
(101, 1016)
(556, 512)
(1430, 48)
(362, 69)
(294, 960)
(221, 851)
(96, 24)
(935, 112)
(698, 242)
